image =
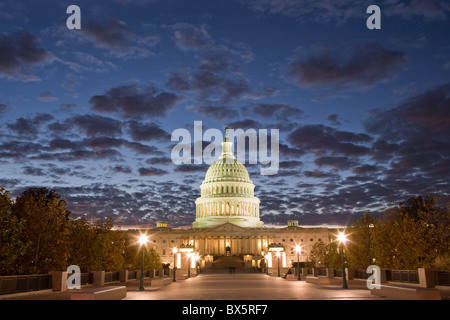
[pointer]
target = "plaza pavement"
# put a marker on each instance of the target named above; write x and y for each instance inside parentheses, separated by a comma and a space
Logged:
(225, 286)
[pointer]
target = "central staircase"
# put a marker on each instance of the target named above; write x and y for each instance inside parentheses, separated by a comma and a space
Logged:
(228, 264)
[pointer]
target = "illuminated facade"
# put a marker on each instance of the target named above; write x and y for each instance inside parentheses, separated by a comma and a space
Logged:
(228, 224)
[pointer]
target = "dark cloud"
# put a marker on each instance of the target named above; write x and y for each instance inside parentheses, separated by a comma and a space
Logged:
(3, 109)
(339, 163)
(191, 37)
(334, 119)
(151, 172)
(159, 160)
(413, 140)
(47, 96)
(32, 171)
(321, 139)
(244, 124)
(109, 32)
(366, 66)
(427, 113)
(217, 112)
(29, 127)
(146, 131)
(218, 77)
(190, 168)
(339, 11)
(279, 111)
(224, 86)
(21, 50)
(131, 100)
(121, 169)
(93, 125)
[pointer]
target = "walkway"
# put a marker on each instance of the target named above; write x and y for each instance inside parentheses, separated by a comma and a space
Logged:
(225, 286)
(246, 286)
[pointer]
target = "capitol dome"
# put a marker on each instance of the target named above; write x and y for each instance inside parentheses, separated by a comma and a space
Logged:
(227, 193)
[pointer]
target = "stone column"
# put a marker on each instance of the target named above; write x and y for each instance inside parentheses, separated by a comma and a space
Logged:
(427, 278)
(99, 278)
(350, 273)
(123, 275)
(330, 272)
(59, 280)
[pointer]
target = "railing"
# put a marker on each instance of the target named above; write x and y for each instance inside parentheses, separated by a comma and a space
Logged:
(322, 271)
(15, 284)
(131, 274)
(360, 274)
(406, 276)
(338, 273)
(112, 276)
(442, 278)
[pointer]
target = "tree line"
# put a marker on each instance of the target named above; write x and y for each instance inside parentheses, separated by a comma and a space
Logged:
(37, 235)
(414, 234)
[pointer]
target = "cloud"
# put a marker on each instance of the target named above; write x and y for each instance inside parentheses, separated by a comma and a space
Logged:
(218, 78)
(415, 136)
(29, 127)
(323, 139)
(217, 112)
(191, 37)
(191, 168)
(279, 111)
(3, 109)
(339, 11)
(94, 125)
(131, 100)
(366, 66)
(47, 96)
(151, 172)
(339, 163)
(109, 32)
(21, 50)
(148, 131)
(114, 35)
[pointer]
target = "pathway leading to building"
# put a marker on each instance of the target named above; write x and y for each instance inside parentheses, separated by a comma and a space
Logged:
(246, 286)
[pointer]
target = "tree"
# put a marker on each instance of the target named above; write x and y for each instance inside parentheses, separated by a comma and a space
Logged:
(11, 244)
(110, 246)
(360, 250)
(152, 260)
(317, 255)
(82, 239)
(324, 255)
(45, 229)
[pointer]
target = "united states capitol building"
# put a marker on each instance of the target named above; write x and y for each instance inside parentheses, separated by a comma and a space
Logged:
(228, 224)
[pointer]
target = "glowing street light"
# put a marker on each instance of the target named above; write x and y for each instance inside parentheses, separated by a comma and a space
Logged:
(188, 248)
(342, 239)
(175, 251)
(298, 249)
(142, 241)
(277, 248)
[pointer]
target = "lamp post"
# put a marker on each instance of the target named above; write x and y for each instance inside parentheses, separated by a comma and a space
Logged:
(142, 241)
(175, 251)
(267, 263)
(298, 249)
(278, 248)
(342, 239)
(188, 248)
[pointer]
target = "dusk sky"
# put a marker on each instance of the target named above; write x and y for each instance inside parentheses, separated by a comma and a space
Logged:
(363, 115)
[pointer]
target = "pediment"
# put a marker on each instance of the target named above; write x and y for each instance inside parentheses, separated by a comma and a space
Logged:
(227, 227)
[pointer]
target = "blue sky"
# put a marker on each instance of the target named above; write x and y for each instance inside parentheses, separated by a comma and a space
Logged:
(364, 115)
